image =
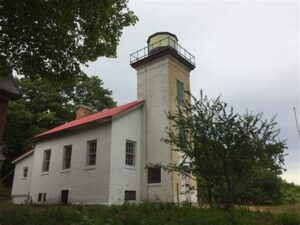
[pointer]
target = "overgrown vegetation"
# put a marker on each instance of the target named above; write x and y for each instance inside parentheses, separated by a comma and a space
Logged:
(235, 158)
(145, 214)
(291, 193)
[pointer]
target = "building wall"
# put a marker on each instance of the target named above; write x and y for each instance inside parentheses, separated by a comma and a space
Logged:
(21, 185)
(153, 86)
(85, 184)
(179, 71)
(157, 85)
(123, 177)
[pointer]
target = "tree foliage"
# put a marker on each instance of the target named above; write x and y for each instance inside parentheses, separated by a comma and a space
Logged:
(46, 104)
(53, 37)
(223, 150)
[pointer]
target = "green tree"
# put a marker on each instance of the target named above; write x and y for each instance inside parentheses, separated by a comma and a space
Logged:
(222, 149)
(263, 187)
(53, 37)
(47, 104)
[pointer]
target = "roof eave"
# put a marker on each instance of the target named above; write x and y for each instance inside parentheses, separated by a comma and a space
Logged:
(23, 156)
(46, 136)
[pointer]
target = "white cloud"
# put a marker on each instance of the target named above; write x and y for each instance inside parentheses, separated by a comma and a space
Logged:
(246, 51)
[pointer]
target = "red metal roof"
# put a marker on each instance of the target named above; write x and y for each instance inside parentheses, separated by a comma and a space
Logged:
(103, 115)
(24, 155)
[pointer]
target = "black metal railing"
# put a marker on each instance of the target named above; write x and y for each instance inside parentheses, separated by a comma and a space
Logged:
(164, 43)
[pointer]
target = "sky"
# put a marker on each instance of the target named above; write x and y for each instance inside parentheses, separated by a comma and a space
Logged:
(247, 51)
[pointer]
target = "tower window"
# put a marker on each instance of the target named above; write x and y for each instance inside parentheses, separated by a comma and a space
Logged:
(181, 134)
(154, 175)
(46, 160)
(180, 91)
(130, 153)
(67, 157)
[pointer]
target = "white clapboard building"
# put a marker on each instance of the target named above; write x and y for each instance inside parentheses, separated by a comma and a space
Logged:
(105, 157)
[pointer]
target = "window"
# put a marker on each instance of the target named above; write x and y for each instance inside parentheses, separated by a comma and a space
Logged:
(181, 134)
(40, 197)
(180, 91)
(130, 195)
(154, 175)
(130, 153)
(25, 172)
(91, 153)
(67, 157)
(46, 160)
(44, 197)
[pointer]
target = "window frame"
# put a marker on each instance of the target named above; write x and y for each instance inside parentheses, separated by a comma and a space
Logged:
(179, 91)
(44, 198)
(40, 197)
(154, 181)
(129, 192)
(130, 154)
(65, 158)
(25, 168)
(46, 161)
(181, 133)
(89, 154)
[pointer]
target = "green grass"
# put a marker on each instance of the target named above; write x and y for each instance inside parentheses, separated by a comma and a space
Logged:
(145, 214)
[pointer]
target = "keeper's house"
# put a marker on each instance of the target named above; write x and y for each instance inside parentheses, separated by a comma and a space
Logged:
(104, 157)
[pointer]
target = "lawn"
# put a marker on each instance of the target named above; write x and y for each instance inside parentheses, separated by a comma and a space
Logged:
(144, 214)
(277, 208)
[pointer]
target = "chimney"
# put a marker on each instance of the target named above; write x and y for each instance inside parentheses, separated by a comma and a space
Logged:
(82, 111)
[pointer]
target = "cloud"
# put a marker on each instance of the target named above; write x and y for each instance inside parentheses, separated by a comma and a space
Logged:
(246, 51)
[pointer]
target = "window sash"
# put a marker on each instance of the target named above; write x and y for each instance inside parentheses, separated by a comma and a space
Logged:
(67, 157)
(25, 171)
(180, 91)
(46, 162)
(154, 175)
(181, 133)
(130, 196)
(130, 153)
(44, 197)
(40, 197)
(92, 151)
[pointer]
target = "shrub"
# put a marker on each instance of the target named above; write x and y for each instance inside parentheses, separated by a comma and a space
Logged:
(289, 218)
(144, 214)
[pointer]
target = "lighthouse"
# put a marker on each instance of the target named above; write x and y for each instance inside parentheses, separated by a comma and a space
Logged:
(163, 78)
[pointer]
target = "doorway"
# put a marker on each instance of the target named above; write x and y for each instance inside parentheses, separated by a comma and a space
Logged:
(64, 196)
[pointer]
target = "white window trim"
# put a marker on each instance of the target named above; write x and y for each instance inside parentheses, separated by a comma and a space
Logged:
(133, 167)
(63, 158)
(23, 177)
(87, 165)
(44, 160)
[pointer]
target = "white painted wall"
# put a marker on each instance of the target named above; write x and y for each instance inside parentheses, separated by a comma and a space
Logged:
(122, 177)
(85, 184)
(21, 185)
(153, 86)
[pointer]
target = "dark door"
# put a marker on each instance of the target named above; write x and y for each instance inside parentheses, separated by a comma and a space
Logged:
(64, 196)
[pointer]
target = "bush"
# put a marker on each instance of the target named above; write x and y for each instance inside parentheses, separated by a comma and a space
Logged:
(289, 218)
(144, 214)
